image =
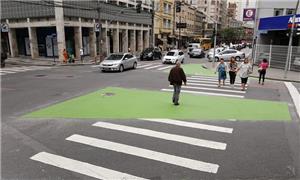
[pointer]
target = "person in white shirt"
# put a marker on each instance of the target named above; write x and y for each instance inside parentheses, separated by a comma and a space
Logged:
(245, 69)
(81, 55)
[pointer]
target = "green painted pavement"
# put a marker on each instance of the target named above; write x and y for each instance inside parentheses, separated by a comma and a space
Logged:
(196, 69)
(133, 103)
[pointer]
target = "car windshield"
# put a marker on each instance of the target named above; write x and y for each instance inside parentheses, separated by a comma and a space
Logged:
(170, 53)
(148, 50)
(115, 57)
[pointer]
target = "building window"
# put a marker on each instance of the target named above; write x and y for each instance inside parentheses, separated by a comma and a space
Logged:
(290, 11)
(205, 2)
(213, 2)
(278, 12)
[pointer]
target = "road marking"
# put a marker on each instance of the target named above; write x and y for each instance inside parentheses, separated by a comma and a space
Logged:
(7, 71)
(295, 96)
(95, 66)
(206, 79)
(165, 136)
(231, 119)
(145, 65)
(190, 125)
(213, 85)
(145, 153)
(81, 167)
(212, 89)
(163, 68)
(205, 93)
(209, 82)
(152, 67)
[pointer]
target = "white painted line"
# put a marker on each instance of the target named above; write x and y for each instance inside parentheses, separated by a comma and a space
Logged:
(165, 136)
(214, 85)
(145, 153)
(1, 73)
(231, 119)
(7, 71)
(212, 89)
(145, 65)
(163, 68)
(12, 70)
(81, 167)
(152, 67)
(204, 77)
(190, 125)
(95, 66)
(205, 93)
(211, 82)
(295, 96)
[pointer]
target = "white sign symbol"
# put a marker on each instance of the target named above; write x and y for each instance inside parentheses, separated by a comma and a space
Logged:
(249, 13)
(97, 27)
(4, 27)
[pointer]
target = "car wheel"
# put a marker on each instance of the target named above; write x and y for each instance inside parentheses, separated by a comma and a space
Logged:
(191, 56)
(238, 58)
(121, 68)
(182, 61)
(159, 57)
(134, 65)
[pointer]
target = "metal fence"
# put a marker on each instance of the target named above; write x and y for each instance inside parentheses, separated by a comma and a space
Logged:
(276, 55)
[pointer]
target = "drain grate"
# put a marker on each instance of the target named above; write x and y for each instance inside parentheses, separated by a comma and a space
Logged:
(40, 75)
(108, 94)
(69, 76)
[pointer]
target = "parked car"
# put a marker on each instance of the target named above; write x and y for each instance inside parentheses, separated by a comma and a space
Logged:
(151, 54)
(227, 54)
(193, 46)
(173, 56)
(3, 58)
(197, 53)
(119, 62)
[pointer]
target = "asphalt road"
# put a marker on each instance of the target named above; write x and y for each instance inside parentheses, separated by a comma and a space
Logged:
(254, 150)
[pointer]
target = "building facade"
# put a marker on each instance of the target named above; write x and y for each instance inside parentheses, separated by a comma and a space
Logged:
(163, 23)
(46, 28)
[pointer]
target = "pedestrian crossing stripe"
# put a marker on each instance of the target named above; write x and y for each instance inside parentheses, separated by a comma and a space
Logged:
(212, 89)
(207, 82)
(13, 70)
(145, 153)
(205, 93)
(190, 125)
(152, 67)
(163, 68)
(212, 85)
(143, 66)
(162, 135)
(81, 167)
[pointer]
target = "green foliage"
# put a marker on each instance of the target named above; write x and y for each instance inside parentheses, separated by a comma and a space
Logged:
(232, 34)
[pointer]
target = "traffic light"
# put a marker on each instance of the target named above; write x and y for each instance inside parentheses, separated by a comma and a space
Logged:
(139, 6)
(178, 6)
(298, 30)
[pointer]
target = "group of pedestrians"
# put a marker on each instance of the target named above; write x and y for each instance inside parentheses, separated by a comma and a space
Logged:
(177, 75)
(244, 70)
(69, 56)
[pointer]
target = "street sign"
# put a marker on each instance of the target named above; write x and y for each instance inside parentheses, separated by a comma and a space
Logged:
(180, 25)
(4, 27)
(97, 27)
(249, 14)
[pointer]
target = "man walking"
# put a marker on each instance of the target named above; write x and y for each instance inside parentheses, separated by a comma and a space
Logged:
(176, 77)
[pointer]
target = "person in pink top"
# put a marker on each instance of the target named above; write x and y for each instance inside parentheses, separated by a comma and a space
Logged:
(262, 70)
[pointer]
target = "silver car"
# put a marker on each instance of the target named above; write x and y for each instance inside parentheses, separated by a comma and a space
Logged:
(227, 54)
(118, 62)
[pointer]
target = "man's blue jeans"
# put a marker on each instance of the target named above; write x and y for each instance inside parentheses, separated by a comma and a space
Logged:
(176, 93)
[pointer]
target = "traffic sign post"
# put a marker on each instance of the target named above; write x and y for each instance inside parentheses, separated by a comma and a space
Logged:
(4, 27)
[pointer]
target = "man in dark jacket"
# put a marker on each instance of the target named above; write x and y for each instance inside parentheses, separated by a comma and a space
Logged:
(176, 77)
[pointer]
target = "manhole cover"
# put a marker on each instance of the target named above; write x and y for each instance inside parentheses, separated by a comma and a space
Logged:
(69, 76)
(108, 94)
(40, 75)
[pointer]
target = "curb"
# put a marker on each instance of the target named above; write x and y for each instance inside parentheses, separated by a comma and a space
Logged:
(53, 64)
(278, 79)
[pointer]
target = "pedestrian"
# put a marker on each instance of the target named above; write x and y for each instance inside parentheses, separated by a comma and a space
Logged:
(81, 55)
(129, 50)
(65, 54)
(244, 69)
(221, 69)
(232, 71)
(176, 77)
(262, 70)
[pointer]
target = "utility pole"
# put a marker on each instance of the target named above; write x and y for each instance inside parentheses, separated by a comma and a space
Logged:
(289, 54)
(179, 37)
(215, 43)
(152, 31)
(99, 36)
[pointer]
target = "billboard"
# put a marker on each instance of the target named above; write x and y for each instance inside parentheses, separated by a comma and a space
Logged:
(249, 14)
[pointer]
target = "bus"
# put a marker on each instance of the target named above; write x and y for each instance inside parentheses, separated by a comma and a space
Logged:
(205, 43)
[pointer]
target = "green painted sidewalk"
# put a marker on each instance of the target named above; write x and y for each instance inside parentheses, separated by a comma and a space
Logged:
(195, 69)
(119, 103)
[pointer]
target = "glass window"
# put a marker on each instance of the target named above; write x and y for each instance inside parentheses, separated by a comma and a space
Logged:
(278, 12)
(213, 2)
(290, 11)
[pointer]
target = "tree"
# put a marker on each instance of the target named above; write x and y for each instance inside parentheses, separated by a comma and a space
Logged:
(232, 34)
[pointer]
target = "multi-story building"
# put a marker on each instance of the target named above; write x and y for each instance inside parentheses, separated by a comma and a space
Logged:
(163, 22)
(46, 28)
(232, 10)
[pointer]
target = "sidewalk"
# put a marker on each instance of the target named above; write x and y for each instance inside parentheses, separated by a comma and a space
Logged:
(42, 61)
(272, 73)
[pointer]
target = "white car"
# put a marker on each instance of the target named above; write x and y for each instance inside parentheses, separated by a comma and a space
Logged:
(118, 62)
(173, 56)
(227, 54)
(193, 46)
(210, 53)
(197, 53)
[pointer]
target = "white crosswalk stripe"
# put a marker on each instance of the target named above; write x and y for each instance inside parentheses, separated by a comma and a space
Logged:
(205, 93)
(152, 67)
(213, 89)
(144, 65)
(213, 85)
(81, 167)
(166, 136)
(145, 153)
(13, 70)
(99, 172)
(163, 68)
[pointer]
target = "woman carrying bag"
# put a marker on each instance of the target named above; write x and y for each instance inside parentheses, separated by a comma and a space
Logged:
(263, 66)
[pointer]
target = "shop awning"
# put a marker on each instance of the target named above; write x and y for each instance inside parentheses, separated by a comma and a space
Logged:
(277, 22)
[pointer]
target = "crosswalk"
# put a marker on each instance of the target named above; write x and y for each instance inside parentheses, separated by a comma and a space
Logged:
(158, 66)
(207, 85)
(99, 172)
(12, 70)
